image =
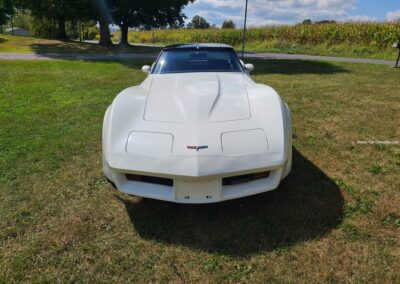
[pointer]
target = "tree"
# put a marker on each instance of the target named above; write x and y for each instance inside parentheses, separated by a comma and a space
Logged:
(105, 18)
(228, 24)
(146, 14)
(326, 22)
(7, 11)
(307, 22)
(58, 11)
(61, 14)
(44, 28)
(99, 11)
(23, 19)
(198, 22)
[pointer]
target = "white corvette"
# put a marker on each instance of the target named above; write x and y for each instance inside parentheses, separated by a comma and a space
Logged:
(198, 129)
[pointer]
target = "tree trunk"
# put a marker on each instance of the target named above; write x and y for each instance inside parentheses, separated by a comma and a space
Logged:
(79, 31)
(61, 28)
(124, 35)
(105, 37)
(12, 25)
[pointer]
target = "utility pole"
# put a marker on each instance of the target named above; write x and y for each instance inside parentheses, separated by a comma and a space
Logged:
(397, 45)
(244, 29)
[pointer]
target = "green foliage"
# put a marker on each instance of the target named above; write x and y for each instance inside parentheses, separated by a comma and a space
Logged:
(72, 29)
(23, 19)
(391, 220)
(62, 14)
(347, 187)
(242, 271)
(360, 204)
(350, 230)
(325, 22)
(147, 14)
(373, 34)
(7, 10)
(91, 32)
(210, 264)
(228, 24)
(198, 22)
(376, 170)
(44, 28)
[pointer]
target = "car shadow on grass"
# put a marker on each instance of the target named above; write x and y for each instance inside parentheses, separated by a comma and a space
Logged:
(72, 47)
(306, 206)
(294, 67)
(263, 66)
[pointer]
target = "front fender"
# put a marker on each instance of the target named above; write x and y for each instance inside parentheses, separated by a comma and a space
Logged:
(123, 115)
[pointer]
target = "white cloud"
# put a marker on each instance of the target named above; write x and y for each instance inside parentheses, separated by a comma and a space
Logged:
(267, 12)
(393, 16)
(216, 16)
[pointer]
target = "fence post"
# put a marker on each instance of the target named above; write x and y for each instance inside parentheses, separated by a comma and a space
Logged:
(397, 45)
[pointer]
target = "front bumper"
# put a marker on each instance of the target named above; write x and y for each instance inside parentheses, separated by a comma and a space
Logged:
(201, 189)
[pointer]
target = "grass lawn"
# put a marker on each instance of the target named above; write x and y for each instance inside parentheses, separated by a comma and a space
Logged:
(335, 218)
(341, 50)
(10, 43)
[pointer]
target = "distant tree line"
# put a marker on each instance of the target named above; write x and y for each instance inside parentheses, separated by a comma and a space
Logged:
(55, 17)
(199, 22)
(228, 24)
(310, 22)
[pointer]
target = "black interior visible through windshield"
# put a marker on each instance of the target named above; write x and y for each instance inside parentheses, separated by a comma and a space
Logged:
(183, 61)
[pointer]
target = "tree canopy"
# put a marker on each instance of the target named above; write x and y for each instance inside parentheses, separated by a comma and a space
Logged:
(228, 24)
(307, 22)
(60, 11)
(58, 15)
(146, 14)
(198, 22)
(7, 10)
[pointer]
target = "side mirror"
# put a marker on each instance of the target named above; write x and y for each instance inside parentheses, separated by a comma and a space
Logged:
(249, 67)
(146, 68)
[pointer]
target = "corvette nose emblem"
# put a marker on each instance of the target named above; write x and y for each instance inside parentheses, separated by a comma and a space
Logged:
(197, 148)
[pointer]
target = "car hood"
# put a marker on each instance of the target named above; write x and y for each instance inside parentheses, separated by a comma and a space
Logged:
(197, 98)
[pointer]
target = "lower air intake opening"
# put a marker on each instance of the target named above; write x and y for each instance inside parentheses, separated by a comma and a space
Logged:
(244, 178)
(150, 179)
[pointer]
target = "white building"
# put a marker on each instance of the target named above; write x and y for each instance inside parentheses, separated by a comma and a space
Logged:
(17, 31)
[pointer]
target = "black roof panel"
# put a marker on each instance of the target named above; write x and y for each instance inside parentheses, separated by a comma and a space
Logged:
(198, 46)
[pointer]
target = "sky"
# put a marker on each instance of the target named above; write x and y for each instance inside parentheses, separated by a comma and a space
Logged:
(275, 12)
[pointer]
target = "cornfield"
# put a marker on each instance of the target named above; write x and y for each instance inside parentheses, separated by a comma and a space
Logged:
(376, 34)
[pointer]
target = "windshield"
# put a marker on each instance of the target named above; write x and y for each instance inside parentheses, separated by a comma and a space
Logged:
(183, 61)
